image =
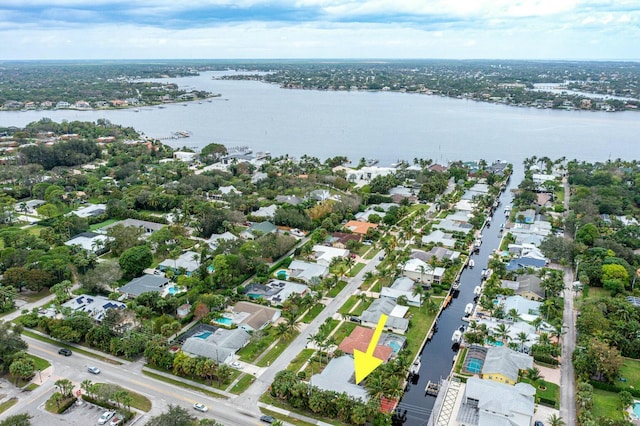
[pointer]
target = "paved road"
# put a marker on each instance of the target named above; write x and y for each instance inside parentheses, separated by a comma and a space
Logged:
(128, 376)
(249, 399)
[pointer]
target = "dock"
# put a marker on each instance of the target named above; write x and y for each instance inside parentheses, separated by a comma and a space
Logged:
(432, 388)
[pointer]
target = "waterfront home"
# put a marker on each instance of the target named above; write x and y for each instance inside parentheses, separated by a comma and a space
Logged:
(528, 310)
(359, 340)
(219, 346)
(486, 402)
(439, 253)
(396, 322)
(503, 365)
(526, 216)
(144, 284)
(439, 237)
(513, 330)
(186, 157)
(526, 262)
(187, 263)
(527, 286)
(422, 272)
(403, 286)
(338, 376)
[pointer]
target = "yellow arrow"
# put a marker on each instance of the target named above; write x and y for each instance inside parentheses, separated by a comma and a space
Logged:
(364, 362)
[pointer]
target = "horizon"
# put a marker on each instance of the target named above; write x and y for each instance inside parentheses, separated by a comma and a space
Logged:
(547, 30)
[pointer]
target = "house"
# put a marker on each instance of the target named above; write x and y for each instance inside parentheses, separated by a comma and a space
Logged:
(187, 263)
(503, 365)
(147, 227)
(403, 286)
(396, 322)
(528, 310)
(90, 241)
(514, 329)
(183, 310)
(91, 210)
(30, 206)
(324, 255)
(527, 286)
(422, 272)
(276, 291)
(439, 237)
(338, 376)
(63, 105)
(364, 175)
(267, 212)
(526, 262)
(256, 229)
(307, 271)
(215, 239)
(526, 216)
(320, 194)
(457, 222)
(340, 239)
(489, 403)
(220, 345)
(440, 253)
(251, 317)
(289, 199)
(95, 306)
(144, 284)
(358, 227)
(359, 339)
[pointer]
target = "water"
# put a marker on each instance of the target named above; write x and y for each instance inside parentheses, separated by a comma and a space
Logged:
(474, 365)
(437, 355)
(382, 125)
(636, 409)
(224, 321)
(203, 335)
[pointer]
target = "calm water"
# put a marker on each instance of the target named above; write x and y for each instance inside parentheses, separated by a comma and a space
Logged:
(382, 125)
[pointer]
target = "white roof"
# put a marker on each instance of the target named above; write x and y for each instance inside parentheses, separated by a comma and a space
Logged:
(307, 270)
(337, 376)
(324, 254)
(90, 210)
(188, 260)
(86, 242)
(267, 211)
(418, 266)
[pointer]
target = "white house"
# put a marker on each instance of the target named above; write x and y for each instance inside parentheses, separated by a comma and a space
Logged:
(324, 254)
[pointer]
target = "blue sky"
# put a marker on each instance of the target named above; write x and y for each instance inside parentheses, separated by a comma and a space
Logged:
(265, 29)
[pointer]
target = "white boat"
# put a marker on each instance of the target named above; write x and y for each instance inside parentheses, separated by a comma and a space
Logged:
(415, 367)
(457, 336)
(477, 290)
(468, 309)
(471, 263)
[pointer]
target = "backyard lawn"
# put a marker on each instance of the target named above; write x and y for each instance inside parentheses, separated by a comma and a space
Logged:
(300, 359)
(630, 371)
(419, 326)
(605, 404)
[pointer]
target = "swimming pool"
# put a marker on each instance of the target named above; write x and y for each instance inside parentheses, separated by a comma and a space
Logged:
(496, 343)
(203, 335)
(223, 321)
(474, 365)
(282, 274)
(396, 346)
(173, 289)
(636, 409)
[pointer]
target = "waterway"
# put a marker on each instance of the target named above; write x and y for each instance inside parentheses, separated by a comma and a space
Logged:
(437, 355)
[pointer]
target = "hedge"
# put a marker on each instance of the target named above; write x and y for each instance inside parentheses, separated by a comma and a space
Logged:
(548, 402)
(68, 403)
(613, 388)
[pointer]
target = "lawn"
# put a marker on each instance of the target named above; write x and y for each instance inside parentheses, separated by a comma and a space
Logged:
(312, 313)
(41, 364)
(362, 306)
(419, 326)
(355, 269)
(73, 348)
(300, 359)
(288, 420)
(596, 293)
(242, 384)
(8, 404)
(254, 349)
(605, 404)
(351, 301)
(337, 289)
(552, 391)
(102, 224)
(345, 329)
(631, 372)
(182, 384)
(275, 352)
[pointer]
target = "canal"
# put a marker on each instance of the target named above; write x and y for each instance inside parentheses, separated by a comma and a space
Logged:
(437, 355)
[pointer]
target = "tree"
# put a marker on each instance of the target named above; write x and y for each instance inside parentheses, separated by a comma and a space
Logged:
(554, 420)
(22, 419)
(135, 260)
(65, 387)
(625, 399)
(62, 290)
(123, 238)
(174, 416)
(11, 344)
(534, 374)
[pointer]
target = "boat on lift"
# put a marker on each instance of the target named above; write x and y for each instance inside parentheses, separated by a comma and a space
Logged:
(468, 309)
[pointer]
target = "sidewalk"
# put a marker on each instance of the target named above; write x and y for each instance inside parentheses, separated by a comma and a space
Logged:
(190, 382)
(292, 414)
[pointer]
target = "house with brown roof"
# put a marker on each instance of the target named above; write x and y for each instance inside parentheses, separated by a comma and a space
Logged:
(340, 239)
(358, 227)
(252, 317)
(359, 339)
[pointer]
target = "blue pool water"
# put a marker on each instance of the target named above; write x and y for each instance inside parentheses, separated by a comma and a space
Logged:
(395, 346)
(224, 321)
(282, 274)
(636, 409)
(474, 365)
(172, 289)
(203, 335)
(496, 343)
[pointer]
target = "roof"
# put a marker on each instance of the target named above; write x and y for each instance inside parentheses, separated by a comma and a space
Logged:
(307, 270)
(522, 305)
(358, 227)
(215, 238)
(95, 306)
(524, 283)
(218, 345)
(258, 316)
(501, 401)
(437, 252)
(91, 210)
(88, 240)
(144, 224)
(189, 260)
(144, 284)
(438, 236)
(418, 266)
(289, 199)
(344, 237)
(502, 360)
(264, 227)
(523, 262)
(384, 306)
(393, 293)
(267, 211)
(325, 254)
(338, 376)
(359, 339)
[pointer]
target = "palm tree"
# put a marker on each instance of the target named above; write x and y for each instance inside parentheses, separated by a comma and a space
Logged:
(513, 314)
(554, 420)
(534, 374)
(522, 337)
(502, 332)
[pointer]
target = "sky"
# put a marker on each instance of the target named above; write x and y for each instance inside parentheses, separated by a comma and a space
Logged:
(290, 29)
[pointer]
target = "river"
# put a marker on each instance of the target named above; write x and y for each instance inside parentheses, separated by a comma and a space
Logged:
(382, 125)
(437, 355)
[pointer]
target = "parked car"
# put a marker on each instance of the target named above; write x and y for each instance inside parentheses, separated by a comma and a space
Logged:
(538, 423)
(106, 416)
(237, 365)
(65, 352)
(267, 419)
(200, 407)
(117, 420)
(93, 370)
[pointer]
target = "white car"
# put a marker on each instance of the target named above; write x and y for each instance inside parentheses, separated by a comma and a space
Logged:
(236, 365)
(93, 370)
(200, 407)
(106, 416)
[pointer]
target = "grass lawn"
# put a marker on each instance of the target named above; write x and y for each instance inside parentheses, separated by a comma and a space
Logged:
(52, 407)
(102, 224)
(337, 289)
(254, 349)
(605, 404)
(313, 313)
(275, 352)
(268, 399)
(73, 348)
(362, 306)
(355, 269)
(8, 404)
(41, 364)
(242, 384)
(351, 301)
(345, 329)
(30, 387)
(597, 292)
(182, 384)
(138, 401)
(631, 372)
(300, 359)
(419, 326)
(30, 297)
(284, 418)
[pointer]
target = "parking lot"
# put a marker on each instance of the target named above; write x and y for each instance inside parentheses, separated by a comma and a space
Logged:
(82, 415)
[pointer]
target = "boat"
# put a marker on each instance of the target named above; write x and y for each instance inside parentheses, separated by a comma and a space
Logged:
(415, 367)
(455, 288)
(468, 309)
(456, 337)
(471, 263)
(477, 290)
